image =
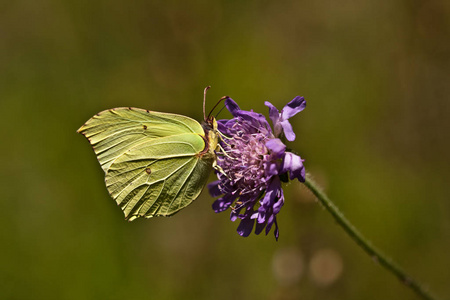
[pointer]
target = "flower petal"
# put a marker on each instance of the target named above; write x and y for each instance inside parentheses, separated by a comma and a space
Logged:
(253, 118)
(279, 204)
(277, 147)
(271, 168)
(276, 232)
(234, 215)
(245, 227)
(259, 227)
(274, 114)
(294, 165)
(223, 203)
(232, 106)
(269, 223)
(292, 108)
(288, 131)
(213, 189)
(271, 193)
(261, 216)
(274, 194)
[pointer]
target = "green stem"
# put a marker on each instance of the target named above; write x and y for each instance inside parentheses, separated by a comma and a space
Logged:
(376, 255)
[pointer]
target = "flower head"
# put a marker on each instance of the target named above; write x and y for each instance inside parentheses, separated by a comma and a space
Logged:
(252, 164)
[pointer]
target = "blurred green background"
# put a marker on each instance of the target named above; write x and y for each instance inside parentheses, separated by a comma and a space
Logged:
(375, 134)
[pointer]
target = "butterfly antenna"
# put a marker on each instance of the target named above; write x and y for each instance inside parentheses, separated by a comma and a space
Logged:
(204, 101)
(219, 112)
(218, 102)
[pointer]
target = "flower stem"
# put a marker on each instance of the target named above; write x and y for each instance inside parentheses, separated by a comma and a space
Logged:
(376, 255)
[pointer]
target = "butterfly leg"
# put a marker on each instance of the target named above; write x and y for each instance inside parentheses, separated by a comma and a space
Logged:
(219, 169)
(223, 137)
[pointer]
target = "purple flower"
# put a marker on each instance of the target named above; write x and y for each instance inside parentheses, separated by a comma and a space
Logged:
(251, 165)
(280, 119)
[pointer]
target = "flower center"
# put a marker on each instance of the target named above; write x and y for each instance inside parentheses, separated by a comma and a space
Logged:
(243, 161)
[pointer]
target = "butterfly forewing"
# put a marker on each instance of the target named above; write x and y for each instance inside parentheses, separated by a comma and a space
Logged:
(113, 132)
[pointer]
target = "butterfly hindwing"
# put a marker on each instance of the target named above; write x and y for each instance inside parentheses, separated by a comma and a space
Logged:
(158, 177)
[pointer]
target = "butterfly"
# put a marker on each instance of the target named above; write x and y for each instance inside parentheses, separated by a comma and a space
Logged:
(155, 163)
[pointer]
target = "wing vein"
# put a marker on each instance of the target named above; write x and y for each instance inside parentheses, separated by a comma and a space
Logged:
(187, 179)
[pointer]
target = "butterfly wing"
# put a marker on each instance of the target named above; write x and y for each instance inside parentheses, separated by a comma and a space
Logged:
(153, 161)
(113, 132)
(159, 177)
